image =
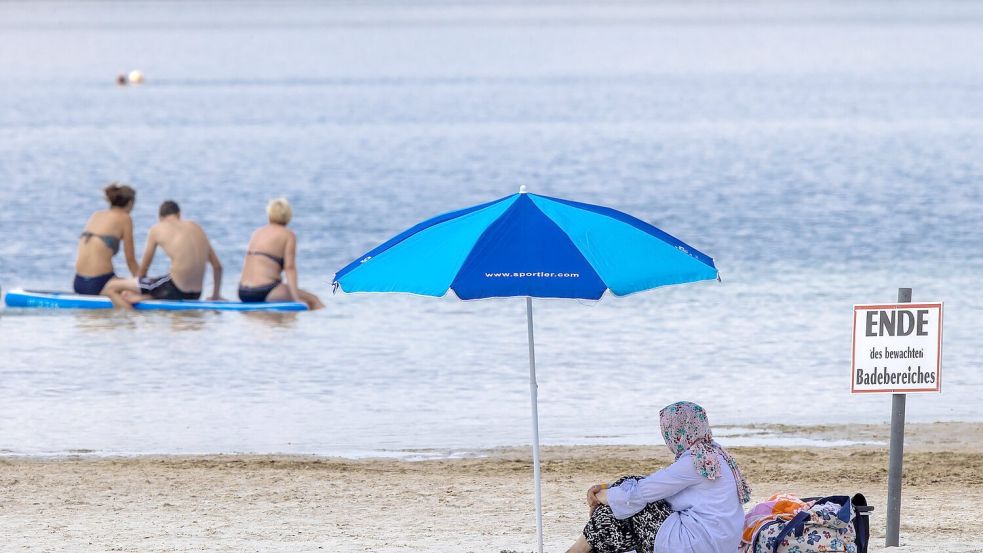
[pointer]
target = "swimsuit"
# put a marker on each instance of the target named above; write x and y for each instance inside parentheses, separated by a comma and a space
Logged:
(111, 242)
(278, 260)
(163, 288)
(92, 286)
(256, 294)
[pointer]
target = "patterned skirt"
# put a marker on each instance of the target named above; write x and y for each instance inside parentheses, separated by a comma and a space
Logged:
(607, 534)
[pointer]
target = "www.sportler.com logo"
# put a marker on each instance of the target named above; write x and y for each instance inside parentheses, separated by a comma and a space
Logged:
(537, 274)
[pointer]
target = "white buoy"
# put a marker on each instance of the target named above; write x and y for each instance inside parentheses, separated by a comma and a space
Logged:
(135, 77)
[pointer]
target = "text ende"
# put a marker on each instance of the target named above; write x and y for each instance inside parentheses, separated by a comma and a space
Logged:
(898, 322)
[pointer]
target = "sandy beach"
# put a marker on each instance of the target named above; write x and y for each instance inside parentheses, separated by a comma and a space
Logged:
(478, 503)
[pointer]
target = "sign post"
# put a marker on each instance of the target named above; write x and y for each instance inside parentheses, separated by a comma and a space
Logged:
(896, 456)
(897, 349)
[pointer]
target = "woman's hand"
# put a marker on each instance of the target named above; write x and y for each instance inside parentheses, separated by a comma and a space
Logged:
(597, 495)
(592, 496)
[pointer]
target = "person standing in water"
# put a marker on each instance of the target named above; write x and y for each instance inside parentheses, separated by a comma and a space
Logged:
(189, 250)
(272, 250)
(100, 240)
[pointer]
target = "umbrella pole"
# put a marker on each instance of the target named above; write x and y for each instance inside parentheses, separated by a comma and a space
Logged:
(534, 400)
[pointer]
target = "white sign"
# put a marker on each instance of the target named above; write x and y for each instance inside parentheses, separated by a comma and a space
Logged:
(897, 348)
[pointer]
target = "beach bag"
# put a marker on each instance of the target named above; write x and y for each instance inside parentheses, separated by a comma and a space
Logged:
(861, 520)
(825, 527)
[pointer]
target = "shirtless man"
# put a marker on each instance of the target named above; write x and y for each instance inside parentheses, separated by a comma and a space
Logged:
(186, 244)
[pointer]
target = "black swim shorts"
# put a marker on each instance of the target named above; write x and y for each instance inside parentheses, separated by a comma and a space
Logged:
(163, 288)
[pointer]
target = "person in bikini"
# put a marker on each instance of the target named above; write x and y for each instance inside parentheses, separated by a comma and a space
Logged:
(272, 250)
(100, 241)
(189, 250)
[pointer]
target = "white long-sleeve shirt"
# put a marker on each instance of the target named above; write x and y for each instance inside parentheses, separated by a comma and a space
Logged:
(707, 516)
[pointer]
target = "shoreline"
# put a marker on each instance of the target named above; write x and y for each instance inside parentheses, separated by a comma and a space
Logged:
(967, 436)
(311, 503)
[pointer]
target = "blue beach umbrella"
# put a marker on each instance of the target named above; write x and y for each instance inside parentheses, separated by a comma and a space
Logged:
(529, 246)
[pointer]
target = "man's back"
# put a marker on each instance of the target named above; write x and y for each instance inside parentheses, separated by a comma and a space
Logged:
(187, 245)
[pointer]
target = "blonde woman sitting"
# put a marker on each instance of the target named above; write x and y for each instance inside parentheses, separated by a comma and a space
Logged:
(272, 252)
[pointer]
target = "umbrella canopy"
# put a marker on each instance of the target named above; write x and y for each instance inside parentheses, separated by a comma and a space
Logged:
(528, 245)
(532, 246)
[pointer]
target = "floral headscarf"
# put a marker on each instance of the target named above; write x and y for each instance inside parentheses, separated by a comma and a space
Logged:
(685, 427)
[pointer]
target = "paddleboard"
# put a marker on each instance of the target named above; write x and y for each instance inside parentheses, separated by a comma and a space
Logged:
(42, 299)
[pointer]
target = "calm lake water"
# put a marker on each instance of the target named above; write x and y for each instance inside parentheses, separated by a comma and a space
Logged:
(824, 154)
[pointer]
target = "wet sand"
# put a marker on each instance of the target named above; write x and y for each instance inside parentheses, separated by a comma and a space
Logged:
(482, 503)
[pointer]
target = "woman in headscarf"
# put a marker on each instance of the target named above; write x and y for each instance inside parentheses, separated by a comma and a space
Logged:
(693, 505)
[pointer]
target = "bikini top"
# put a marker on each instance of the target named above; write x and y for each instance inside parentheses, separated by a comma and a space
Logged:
(111, 242)
(278, 260)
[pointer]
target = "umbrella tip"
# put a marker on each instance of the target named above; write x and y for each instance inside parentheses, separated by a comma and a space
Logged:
(522, 189)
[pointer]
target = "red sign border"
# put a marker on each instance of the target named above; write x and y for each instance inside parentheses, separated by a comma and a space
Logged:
(853, 349)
